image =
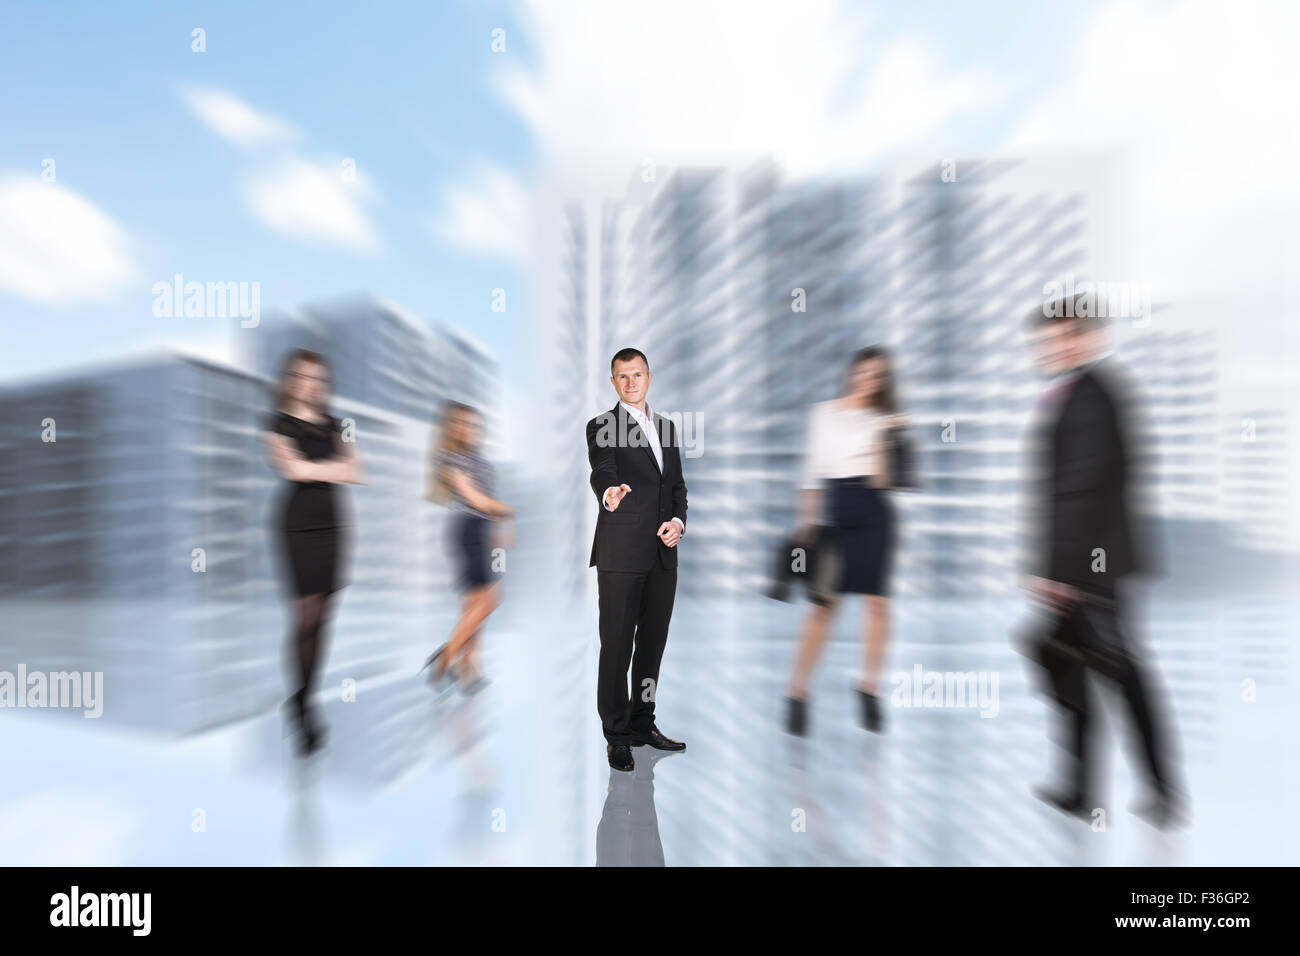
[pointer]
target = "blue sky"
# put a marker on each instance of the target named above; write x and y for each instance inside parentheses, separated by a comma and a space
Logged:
(402, 92)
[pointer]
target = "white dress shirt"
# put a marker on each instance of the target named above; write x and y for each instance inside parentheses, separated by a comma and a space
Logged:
(842, 442)
(646, 424)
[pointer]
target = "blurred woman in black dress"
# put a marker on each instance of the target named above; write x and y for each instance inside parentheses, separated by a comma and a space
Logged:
(848, 461)
(308, 448)
(460, 477)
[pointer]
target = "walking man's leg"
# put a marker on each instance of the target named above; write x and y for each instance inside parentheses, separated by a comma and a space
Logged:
(1134, 683)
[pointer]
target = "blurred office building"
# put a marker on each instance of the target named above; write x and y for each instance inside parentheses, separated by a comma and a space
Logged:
(136, 508)
(749, 293)
(1258, 448)
(570, 387)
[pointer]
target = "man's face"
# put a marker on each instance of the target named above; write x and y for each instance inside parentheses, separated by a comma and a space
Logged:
(631, 380)
(1057, 346)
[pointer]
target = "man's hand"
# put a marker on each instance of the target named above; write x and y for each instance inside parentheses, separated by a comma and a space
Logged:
(669, 533)
(1055, 594)
(614, 495)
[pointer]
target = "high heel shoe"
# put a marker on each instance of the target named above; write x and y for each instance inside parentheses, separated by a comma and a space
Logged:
(873, 718)
(796, 716)
(315, 731)
(475, 686)
(308, 732)
(449, 678)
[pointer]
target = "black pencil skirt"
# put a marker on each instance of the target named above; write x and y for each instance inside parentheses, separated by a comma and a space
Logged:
(861, 521)
(472, 552)
(313, 537)
(314, 560)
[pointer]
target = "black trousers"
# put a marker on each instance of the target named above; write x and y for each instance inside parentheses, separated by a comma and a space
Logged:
(635, 608)
(1092, 639)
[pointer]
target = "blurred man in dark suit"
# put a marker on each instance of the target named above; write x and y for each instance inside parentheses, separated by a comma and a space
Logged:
(1088, 548)
(636, 475)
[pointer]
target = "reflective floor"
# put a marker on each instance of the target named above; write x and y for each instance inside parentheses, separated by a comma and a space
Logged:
(517, 774)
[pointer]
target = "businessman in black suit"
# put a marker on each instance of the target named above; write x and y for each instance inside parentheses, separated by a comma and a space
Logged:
(1089, 552)
(636, 475)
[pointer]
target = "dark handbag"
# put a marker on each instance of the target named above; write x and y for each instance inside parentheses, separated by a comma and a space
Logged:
(1104, 645)
(1066, 646)
(811, 562)
(902, 460)
(1061, 674)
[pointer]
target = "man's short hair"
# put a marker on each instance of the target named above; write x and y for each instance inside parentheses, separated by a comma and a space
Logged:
(627, 355)
(1087, 307)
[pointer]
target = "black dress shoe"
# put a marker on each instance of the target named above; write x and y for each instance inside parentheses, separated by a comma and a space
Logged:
(620, 756)
(873, 718)
(658, 741)
(1164, 811)
(796, 716)
(1069, 802)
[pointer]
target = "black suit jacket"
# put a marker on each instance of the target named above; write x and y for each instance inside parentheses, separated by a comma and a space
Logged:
(1089, 464)
(620, 454)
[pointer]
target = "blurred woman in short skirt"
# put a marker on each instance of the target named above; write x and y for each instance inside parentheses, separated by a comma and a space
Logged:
(844, 488)
(461, 478)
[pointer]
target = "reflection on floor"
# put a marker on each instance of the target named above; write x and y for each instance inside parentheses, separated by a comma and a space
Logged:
(517, 774)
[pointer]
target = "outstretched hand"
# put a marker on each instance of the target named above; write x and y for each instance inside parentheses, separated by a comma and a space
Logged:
(614, 495)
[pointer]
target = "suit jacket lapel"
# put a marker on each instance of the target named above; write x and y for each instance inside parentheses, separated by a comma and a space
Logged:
(664, 436)
(641, 439)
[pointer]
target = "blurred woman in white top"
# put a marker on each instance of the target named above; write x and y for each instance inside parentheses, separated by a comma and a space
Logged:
(843, 492)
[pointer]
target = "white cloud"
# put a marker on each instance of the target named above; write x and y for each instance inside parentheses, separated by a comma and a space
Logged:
(307, 199)
(312, 200)
(697, 81)
(1197, 104)
(615, 85)
(234, 120)
(57, 246)
(488, 213)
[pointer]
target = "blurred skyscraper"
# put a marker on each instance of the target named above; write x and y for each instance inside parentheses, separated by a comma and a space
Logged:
(1258, 488)
(569, 377)
(749, 294)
